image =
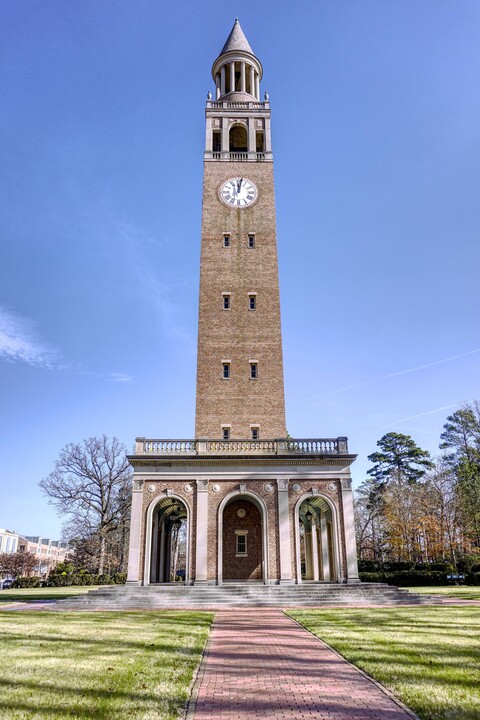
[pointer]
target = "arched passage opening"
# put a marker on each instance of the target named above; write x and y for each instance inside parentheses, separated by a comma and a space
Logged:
(316, 541)
(169, 542)
(242, 539)
(238, 141)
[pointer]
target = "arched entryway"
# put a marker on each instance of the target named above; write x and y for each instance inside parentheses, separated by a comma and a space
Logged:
(169, 556)
(316, 547)
(242, 539)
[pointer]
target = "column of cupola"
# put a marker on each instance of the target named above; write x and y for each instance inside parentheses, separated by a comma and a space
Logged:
(225, 79)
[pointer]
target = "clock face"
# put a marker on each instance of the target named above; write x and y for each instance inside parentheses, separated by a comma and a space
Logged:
(238, 192)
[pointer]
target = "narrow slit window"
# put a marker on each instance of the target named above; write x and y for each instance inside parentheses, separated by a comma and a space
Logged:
(226, 301)
(226, 241)
(252, 302)
(226, 371)
(255, 433)
(225, 432)
(251, 241)
(253, 371)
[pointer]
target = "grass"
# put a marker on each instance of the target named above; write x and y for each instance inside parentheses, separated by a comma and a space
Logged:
(466, 592)
(98, 665)
(428, 656)
(37, 594)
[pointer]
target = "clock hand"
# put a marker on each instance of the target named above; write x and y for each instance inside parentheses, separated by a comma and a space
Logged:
(239, 184)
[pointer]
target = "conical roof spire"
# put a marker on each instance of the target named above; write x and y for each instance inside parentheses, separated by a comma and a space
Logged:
(237, 40)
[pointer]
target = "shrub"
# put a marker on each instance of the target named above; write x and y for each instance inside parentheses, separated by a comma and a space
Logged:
(27, 582)
(473, 578)
(105, 579)
(404, 578)
(120, 578)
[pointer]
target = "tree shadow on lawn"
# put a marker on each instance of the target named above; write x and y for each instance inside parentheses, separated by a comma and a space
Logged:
(116, 699)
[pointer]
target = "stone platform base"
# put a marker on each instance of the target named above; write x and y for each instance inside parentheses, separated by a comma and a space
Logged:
(173, 597)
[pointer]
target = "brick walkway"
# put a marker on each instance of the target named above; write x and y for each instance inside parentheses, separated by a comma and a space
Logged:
(261, 664)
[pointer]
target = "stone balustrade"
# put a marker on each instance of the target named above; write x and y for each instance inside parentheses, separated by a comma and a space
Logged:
(238, 105)
(284, 446)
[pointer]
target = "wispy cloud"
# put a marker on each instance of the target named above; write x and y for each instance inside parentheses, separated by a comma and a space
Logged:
(405, 372)
(424, 414)
(162, 290)
(120, 377)
(20, 342)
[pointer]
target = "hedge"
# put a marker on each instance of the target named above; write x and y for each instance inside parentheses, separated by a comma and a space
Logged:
(65, 579)
(27, 582)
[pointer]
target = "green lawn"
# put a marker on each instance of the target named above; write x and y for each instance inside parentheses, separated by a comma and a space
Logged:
(429, 656)
(466, 592)
(100, 665)
(49, 593)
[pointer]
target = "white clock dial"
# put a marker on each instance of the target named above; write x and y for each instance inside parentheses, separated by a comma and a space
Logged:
(238, 192)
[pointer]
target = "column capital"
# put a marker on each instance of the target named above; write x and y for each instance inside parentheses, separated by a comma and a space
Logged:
(202, 485)
(283, 484)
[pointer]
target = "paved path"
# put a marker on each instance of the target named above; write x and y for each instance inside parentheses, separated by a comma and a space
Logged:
(261, 664)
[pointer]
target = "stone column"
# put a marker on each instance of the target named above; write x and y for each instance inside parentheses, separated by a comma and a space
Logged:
(202, 532)
(267, 136)
(217, 86)
(308, 555)
(222, 80)
(252, 80)
(225, 137)
(284, 549)
(257, 86)
(208, 135)
(242, 77)
(325, 555)
(154, 574)
(315, 575)
(251, 135)
(350, 543)
(133, 574)
(232, 76)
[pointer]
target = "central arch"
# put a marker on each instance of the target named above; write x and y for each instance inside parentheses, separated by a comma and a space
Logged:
(246, 534)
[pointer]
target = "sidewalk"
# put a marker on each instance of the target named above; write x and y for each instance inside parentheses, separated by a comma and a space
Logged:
(261, 664)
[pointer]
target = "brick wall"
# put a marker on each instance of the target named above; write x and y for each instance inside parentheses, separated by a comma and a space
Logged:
(239, 334)
(235, 567)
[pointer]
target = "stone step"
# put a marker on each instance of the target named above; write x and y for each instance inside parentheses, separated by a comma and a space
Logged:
(238, 595)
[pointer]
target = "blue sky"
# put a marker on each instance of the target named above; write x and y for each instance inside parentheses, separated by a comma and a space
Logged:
(375, 109)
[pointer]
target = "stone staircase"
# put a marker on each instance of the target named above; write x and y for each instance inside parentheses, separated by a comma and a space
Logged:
(173, 597)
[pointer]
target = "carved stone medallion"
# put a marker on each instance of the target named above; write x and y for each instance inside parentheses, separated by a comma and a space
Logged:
(151, 488)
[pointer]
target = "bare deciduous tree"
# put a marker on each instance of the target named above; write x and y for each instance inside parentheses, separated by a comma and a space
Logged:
(17, 564)
(91, 486)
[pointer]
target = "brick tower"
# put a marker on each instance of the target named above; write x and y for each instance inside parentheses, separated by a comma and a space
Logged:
(241, 502)
(240, 391)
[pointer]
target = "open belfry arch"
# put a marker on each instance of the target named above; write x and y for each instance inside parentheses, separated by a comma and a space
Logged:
(242, 502)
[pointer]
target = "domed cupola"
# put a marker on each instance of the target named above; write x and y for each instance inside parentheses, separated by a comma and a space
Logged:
(237, 71)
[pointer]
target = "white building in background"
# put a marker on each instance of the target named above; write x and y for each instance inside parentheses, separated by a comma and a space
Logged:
(9, 541)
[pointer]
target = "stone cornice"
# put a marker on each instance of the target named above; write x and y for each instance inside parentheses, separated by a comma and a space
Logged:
(138, 461)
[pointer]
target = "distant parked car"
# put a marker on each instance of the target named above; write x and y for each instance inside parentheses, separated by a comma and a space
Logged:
(5, 584)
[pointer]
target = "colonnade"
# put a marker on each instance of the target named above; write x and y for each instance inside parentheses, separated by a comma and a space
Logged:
(237, 76)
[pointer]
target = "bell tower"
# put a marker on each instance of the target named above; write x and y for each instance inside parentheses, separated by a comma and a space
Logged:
(240, 391)
(242, 501)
